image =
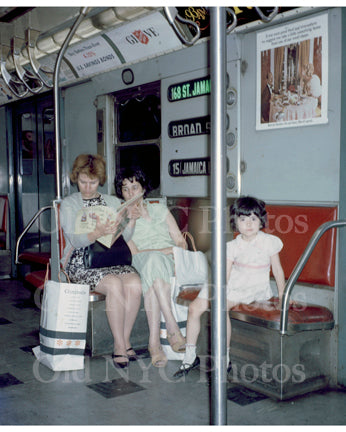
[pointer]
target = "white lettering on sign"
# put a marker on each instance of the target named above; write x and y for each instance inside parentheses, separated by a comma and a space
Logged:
(195, 168)
(187, 129)
(189, 167)
(176, 168)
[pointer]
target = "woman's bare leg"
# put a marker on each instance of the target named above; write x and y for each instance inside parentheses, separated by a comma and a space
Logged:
(133, 294)
(152, 309)
(163, 293)
(112, 287)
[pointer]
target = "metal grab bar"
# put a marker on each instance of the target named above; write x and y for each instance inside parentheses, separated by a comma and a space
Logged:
(299, 267)
(267, 18)
(172, 15)
(31, 38)
(31, 82)
(82, 13)
(232, 25)
(14, 84)
(26, 229)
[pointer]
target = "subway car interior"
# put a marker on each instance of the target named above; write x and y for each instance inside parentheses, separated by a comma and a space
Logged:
(213, 103)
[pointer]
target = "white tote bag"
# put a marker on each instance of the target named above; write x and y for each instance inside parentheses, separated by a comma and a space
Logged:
(191, 267)
(63, 325)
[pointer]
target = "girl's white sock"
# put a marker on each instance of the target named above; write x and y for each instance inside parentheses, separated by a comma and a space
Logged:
(190, 354)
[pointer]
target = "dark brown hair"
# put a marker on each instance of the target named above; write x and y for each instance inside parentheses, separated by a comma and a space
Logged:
(132, 174)
(245, 206)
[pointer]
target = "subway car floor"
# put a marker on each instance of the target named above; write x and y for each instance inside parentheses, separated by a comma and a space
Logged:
(32, 394)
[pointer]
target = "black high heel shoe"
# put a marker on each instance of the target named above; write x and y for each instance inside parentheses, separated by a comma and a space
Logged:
(120, 365)
(132, 357)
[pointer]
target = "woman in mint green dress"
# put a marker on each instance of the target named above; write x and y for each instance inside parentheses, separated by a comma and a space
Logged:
(155, 234)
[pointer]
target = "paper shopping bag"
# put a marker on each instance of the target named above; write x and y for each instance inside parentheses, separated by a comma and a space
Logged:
(63, 326)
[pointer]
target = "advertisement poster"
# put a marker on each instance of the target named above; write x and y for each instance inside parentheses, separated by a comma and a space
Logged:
(92, 56)
(292, 74)
(144, 37)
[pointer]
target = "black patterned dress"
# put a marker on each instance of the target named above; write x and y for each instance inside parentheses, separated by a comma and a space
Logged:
(75, 267)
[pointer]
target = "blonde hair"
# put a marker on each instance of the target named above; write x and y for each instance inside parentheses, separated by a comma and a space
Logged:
(91, 165)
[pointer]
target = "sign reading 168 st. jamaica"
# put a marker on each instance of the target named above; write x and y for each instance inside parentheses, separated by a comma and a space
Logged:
(189, 89)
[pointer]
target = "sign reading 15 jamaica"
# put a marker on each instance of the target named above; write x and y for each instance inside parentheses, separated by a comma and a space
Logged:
(189, 89)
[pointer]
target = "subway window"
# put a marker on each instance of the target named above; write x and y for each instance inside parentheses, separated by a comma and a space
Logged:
(138, 130)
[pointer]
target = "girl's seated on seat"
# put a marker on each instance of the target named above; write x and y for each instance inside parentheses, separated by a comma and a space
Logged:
(249, 259)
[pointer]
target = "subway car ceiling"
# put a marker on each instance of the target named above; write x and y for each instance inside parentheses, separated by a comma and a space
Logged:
(106, 39)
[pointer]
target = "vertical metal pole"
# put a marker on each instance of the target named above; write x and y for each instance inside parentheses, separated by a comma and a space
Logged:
(80, 17)
(218, 188)
(55, 258)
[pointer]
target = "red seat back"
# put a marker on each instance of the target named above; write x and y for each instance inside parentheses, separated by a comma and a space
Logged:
(295, 225)
(3, 212)
(62, 241)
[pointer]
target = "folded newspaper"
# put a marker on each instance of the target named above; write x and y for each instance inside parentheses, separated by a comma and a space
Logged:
(86, 219)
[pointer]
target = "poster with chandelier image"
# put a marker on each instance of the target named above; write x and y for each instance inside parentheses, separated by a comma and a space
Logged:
(292, 74)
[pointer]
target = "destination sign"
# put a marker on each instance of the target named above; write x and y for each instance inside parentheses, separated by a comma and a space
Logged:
(189, 89)
(189, 167)
(189, 127)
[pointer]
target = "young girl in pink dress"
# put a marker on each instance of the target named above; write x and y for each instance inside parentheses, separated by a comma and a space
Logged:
(249, 259)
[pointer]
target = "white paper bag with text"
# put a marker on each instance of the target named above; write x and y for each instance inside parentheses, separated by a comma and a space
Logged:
(63, 325)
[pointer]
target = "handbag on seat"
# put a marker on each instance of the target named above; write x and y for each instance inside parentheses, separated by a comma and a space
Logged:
(97, 255)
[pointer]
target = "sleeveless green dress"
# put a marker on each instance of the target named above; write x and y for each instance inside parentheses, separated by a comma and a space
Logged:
(153, 234)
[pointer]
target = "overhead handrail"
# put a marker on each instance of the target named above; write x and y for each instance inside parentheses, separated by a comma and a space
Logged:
(234, 22)
(83, 12)
(267, 18)
(173, 15)
(41, 72)
(26, 229)
(31, 82)
(15, 86)
(299, 267)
